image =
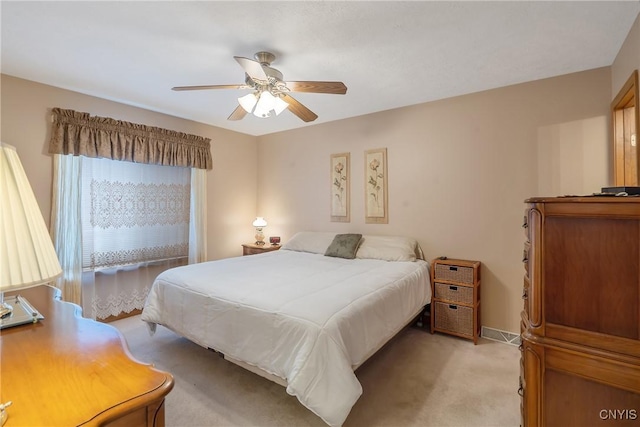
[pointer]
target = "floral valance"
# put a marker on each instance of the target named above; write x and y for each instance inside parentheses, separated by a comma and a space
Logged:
(80, 134)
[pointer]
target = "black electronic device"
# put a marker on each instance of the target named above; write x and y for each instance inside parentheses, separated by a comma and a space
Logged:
(631, 191)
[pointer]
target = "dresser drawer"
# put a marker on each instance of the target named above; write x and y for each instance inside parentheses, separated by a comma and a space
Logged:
(454, 318)
(454, 273)
(454, 293)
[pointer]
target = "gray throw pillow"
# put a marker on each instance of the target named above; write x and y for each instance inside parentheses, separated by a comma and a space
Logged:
(344, 246)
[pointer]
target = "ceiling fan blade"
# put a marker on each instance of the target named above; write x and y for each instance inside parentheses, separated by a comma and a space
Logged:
(211, 87)
(253, 69)
(238, 113)
(298, 109)
(318, 87)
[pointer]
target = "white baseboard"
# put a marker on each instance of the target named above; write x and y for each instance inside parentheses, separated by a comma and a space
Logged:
(500, 336)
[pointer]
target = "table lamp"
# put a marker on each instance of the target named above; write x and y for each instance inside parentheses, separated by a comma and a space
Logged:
(259, 224)
(27, 256)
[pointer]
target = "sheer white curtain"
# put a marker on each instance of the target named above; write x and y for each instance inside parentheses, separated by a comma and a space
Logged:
(66, 224)
(99, 206)
(198, 217)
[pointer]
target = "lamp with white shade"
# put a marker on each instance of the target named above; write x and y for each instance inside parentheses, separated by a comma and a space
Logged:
(259, 223)
(27, 256)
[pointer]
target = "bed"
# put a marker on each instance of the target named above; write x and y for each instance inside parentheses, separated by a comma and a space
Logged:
(305, 316)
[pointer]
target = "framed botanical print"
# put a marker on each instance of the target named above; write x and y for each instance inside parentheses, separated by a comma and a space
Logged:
(375, 186)
(340, 184)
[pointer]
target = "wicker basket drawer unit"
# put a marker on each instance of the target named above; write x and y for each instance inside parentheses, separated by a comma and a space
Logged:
(456, 297)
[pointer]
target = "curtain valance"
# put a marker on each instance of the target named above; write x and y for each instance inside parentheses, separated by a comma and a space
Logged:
(81, 134)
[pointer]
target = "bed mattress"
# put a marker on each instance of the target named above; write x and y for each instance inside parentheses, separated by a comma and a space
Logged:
(306, 318)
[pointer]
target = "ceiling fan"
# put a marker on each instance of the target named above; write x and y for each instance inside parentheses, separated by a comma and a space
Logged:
(270, 94)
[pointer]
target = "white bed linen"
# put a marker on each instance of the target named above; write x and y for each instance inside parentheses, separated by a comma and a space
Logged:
(307, 318)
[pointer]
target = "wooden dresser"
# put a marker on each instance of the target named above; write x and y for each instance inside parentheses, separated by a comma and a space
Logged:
(69, 371)
(580, 363)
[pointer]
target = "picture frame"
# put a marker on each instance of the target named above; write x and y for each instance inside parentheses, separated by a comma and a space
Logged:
(376, 186)
(340, 173)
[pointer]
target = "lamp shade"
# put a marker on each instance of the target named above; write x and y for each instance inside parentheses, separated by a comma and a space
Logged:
(279, 105)
(248, 102)
(264, 107)
(259, 222)
(27, 256)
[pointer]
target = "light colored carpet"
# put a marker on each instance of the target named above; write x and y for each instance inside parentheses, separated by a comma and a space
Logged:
(418, 379)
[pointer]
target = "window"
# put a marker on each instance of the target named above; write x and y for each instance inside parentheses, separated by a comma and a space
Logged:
(125, 197)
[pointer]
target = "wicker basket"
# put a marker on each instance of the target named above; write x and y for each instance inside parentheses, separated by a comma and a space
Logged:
(453, 293)
(454, 318)
(455, 273)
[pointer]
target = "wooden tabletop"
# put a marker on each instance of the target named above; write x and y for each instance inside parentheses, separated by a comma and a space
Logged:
(66, 370)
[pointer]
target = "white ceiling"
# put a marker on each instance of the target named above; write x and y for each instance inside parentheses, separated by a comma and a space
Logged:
(389, 54)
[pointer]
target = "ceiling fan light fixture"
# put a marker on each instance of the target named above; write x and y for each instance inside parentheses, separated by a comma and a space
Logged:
(264, 107)
(270, 92)
(262, 104)
(248, 102)
(279, 105)
(268, 105)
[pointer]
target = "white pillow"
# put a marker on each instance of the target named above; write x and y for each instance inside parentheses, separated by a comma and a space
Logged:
(315, 242)
(387, 248)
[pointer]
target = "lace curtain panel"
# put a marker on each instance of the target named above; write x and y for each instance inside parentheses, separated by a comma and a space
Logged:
(114, 291)
(135, 217)
(133, 213)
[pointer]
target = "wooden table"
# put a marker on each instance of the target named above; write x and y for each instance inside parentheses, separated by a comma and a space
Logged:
(68, 371)
(253, 249)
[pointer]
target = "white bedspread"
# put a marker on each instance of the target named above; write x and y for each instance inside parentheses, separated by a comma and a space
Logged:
(307, 318)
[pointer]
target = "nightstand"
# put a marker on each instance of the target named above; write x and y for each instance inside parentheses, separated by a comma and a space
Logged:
(455, 303)
(253, 249)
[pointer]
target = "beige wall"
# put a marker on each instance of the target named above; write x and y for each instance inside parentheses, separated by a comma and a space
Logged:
(459, 171)
(231, 185)
(627, 60)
